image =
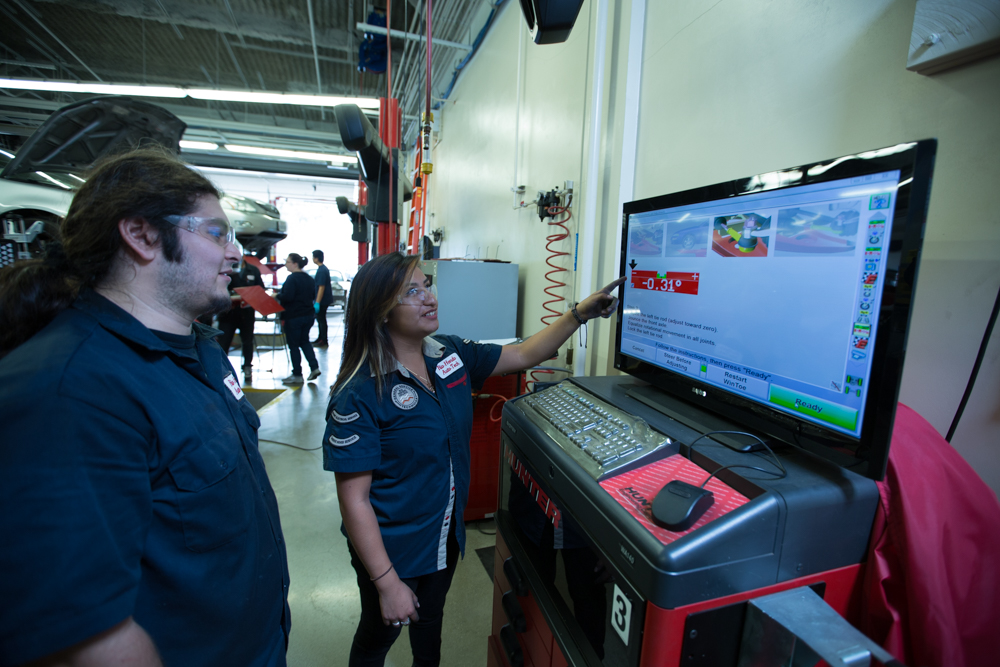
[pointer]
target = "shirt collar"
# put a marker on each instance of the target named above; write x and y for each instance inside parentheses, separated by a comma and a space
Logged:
(431, 348)
(115, 319)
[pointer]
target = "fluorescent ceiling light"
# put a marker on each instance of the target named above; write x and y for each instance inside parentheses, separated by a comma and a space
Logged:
(98, 88)
(176, 92)
(82, 180)
(10, 155)
(198, 145)
(279, 98)
(295, 155)
(59, 183)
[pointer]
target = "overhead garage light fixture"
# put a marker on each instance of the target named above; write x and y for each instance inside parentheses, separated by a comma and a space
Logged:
(175, 92)
(97, 88)
(198, 145)
(294, 155)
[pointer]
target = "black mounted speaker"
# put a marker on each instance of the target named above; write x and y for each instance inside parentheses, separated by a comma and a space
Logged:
(550, 21)
(374, 159)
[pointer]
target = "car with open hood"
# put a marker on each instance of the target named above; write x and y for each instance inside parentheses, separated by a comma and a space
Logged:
(38, 182)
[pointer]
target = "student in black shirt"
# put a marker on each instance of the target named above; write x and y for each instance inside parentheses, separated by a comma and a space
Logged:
(240, 316)
(296, 297)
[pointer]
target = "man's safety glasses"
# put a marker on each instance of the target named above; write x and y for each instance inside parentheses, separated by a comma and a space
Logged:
(216, 230)
(417, 296)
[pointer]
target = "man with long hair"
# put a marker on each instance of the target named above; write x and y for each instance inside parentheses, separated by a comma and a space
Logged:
(139, 522)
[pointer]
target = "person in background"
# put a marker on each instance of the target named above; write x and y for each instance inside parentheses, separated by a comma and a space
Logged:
(139, 524)
(240, 316)
(397, 438)
(297, 298)
(324, 297)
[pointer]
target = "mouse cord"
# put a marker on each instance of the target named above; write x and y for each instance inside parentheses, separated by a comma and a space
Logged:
(777, 461)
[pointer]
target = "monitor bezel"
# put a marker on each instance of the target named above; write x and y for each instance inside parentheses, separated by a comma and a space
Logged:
(868, 454)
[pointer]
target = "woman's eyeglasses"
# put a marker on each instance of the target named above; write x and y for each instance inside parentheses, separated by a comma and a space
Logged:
(216, 230)
(417, 296)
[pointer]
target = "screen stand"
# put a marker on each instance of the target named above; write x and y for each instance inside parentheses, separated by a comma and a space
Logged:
(693, 417)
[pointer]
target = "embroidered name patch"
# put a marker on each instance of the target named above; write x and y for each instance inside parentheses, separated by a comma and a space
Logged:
(448, 365)
(343, 442)
(404, 396)
(344, 419)
(233, 386)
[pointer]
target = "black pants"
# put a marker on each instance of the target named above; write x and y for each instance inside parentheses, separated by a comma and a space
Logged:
(373, 638)
(321, 321)
(229, 322)
(297, 335)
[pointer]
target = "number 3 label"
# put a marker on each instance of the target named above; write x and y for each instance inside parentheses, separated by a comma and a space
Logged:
(621, 614)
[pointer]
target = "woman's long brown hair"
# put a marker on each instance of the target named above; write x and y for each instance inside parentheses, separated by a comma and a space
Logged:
(366, 337)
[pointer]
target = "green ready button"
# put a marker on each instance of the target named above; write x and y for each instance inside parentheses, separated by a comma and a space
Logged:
(816, 408)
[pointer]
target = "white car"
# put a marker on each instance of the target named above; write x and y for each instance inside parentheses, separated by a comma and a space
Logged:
(258, 225)
(38, 183)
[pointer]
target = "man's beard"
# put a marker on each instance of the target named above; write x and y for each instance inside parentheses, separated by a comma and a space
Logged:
(220, 304)
(176, 277)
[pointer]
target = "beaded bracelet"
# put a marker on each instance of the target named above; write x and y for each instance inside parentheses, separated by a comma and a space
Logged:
(383, 574)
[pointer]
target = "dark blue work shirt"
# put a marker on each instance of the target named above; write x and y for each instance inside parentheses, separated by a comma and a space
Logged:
(132, 485)
(322, 279)
(416, 443)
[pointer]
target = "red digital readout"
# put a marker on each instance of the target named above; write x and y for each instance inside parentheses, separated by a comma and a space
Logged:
(677, 282)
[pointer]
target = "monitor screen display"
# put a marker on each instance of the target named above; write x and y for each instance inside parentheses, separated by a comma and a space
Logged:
(780, 301)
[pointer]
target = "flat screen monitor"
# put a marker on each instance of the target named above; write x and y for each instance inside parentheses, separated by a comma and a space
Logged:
(779, 303)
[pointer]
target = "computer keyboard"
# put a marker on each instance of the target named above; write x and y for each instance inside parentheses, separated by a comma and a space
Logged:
(604, 440)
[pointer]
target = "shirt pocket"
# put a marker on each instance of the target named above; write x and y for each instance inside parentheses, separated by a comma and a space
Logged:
(250, 413)
(213, 493)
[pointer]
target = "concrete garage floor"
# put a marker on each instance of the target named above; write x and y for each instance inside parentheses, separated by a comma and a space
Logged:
(323, 594)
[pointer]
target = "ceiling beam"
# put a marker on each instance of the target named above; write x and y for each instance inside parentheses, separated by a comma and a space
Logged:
(327, 139)
(248, 163)
(61, 43)
(296, 54)
(205, 16)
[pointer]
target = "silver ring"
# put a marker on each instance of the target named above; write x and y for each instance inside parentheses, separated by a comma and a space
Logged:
(406, 622)
(395, 623)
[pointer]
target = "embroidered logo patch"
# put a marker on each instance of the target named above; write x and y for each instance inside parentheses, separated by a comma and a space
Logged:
(343, 442)
(233, 386)
(448, 365)
(343, 419)
(404, 396)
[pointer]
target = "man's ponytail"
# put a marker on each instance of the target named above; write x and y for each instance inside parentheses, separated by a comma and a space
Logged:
(32, 293)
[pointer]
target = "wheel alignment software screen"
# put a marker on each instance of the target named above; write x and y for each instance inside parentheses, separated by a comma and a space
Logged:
(772, 296)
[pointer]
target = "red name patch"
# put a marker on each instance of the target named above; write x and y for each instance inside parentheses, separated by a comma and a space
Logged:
(448, 365)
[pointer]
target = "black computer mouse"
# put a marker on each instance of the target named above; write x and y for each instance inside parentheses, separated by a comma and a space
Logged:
(679, 504)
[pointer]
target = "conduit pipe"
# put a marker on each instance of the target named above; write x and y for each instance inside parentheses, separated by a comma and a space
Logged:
(517, 110)
(630, 134)
(379, 30)
(312, 34)
(586, 278)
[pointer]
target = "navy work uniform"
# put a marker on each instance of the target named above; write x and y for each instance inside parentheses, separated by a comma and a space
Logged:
(416, 443)
(132, 486)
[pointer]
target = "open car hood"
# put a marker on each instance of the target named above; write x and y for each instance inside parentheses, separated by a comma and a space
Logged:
(76, 136)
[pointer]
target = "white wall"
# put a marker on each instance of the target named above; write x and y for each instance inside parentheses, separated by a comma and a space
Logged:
(731, 88)
(740, 87)
(470, 189)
